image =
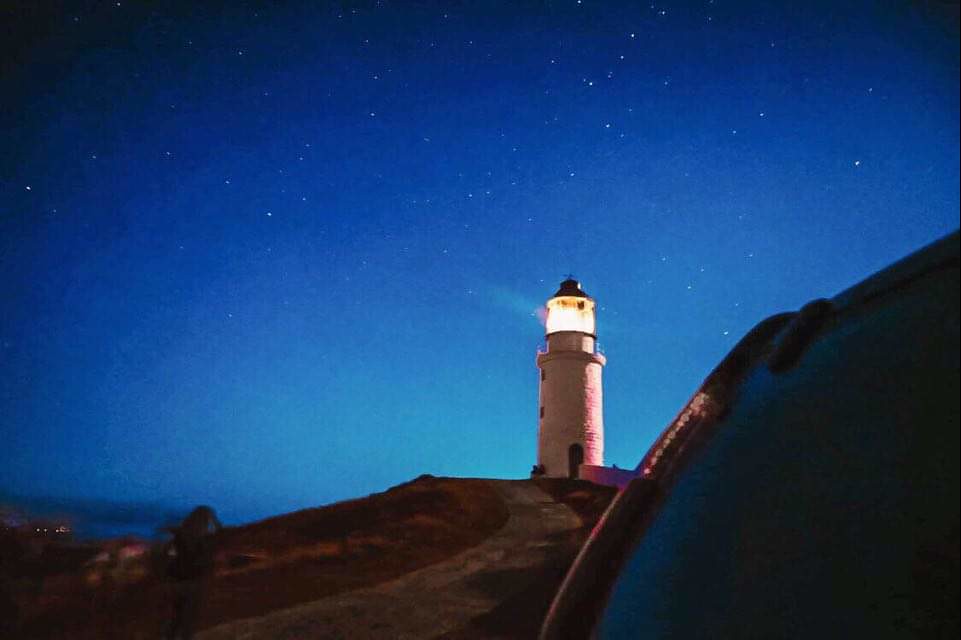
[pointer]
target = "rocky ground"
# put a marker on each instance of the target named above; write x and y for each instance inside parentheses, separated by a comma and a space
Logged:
(435, 557)
(439, 599)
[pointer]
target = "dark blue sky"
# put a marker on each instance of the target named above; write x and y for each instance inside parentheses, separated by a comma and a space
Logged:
(267, 257)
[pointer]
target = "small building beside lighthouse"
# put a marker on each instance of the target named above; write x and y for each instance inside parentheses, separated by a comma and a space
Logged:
(570, 432)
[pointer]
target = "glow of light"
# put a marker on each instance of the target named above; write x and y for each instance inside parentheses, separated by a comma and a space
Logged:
(570, 313)
(541, 314)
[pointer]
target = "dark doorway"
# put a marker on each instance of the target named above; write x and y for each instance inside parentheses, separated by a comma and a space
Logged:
(575, 456)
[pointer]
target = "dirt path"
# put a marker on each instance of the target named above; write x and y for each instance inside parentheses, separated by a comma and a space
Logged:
(434, 600)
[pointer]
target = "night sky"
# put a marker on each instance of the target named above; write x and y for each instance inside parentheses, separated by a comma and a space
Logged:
(269, 257)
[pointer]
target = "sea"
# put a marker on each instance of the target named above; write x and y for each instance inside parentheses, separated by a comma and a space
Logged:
(91, 519)
(98, 519)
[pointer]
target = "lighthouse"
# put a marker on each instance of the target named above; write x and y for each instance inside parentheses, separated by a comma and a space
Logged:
(571, 417)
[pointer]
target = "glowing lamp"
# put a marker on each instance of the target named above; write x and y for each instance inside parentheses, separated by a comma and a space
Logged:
(570, 310)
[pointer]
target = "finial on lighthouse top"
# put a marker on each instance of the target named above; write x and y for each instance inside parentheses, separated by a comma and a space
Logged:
(570, 309)
(571, 287)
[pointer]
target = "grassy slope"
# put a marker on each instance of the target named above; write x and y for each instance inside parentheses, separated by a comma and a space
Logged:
(287, 560)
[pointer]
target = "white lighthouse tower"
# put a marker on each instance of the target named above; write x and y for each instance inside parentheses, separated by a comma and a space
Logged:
(571, 427)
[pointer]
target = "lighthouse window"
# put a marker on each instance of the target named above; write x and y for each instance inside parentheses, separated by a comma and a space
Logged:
(566, 313)
(542, 412)
(543, 375)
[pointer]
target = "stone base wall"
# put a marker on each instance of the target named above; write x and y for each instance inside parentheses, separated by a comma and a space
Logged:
(607, 476)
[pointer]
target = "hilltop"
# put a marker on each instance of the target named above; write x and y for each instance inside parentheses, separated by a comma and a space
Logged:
(428, 529)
